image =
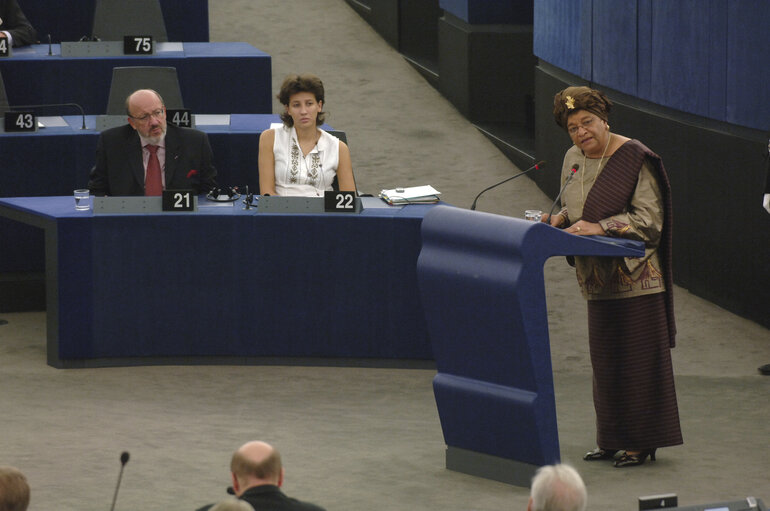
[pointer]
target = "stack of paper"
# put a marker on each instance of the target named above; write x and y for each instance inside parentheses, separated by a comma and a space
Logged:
(415, 195)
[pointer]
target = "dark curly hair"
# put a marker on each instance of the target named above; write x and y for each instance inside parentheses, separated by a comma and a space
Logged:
(301, 83)
(572, 99)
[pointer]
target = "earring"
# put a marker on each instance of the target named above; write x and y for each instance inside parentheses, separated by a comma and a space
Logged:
(607, 125)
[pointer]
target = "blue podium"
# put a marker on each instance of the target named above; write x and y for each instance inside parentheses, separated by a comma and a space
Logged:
(482, 289)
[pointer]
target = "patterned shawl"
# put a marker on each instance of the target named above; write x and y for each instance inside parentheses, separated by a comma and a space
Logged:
(613, 190)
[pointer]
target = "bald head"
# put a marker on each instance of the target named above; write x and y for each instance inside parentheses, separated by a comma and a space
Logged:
(147, 114)
(557, 488)
(255, 463)
(142, 96)
(14, 490)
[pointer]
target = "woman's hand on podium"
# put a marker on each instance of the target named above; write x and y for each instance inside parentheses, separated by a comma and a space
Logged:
(583, 228)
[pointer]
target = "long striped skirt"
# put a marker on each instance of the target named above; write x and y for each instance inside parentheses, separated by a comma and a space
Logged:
(633, 381)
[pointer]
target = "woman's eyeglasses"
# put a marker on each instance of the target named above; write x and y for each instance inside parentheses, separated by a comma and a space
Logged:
(585, 124)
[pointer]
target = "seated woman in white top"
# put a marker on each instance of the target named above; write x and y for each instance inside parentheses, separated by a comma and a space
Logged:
(299, 158)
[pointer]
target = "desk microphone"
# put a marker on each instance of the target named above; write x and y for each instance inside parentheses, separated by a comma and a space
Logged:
(232, 194)
(50, 52)
(82, 112)
(538, 165)
(573, 170)
(123, 460)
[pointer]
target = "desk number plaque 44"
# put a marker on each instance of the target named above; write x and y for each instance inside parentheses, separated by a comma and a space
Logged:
(137, 45)
(5, 47)
(178, 200)
(339, 202)
(182, 117)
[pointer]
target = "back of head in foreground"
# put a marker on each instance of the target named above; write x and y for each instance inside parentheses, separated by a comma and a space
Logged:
(557, 488)
(14, 490)
(255, 463)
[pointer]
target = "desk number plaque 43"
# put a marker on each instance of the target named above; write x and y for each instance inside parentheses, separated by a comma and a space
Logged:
(20, 121)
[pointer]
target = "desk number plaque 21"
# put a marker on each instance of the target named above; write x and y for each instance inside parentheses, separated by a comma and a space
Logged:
(178, 200)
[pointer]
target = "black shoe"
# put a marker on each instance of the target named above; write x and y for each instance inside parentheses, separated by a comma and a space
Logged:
(600, 454)
(632, 460)
(765, 369)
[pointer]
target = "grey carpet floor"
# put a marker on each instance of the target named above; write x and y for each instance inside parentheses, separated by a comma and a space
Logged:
(362, 438)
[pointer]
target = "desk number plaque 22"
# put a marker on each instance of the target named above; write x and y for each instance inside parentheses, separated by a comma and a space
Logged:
(339, 202)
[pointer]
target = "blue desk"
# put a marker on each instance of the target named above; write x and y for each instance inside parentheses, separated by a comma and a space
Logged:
(69, 20)
(55, 161)
(226, 282)
(215, 78)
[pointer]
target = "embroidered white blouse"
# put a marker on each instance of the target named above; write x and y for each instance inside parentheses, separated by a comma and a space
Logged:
(308, 175)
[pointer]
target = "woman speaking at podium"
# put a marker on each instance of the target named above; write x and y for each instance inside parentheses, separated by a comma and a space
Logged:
(621, 189)
(299, 158)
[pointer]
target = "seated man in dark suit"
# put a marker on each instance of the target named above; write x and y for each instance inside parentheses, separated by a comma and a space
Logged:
(147, 155)
(257, 476)
(14, 26)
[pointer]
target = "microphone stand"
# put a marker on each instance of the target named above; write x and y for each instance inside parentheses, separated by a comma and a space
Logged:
(123, 460)
(574, 169)
(538, 165)
(82, 112)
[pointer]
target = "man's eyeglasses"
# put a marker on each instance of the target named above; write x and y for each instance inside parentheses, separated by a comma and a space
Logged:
(158, 114)
(585, 124)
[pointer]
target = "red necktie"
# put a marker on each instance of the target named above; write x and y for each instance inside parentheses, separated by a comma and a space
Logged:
(153, 184)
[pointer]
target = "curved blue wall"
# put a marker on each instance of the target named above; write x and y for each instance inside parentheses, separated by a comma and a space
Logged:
(705, 57)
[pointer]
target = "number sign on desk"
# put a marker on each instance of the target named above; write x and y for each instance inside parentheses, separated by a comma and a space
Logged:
(178, 200)
(339, 202)
(182, 117)
(138, 45)
(5, 48)
(20, 121)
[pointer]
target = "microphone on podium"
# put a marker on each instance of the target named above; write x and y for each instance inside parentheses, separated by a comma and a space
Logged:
(573, 170)
(536, 166)
(123, 460)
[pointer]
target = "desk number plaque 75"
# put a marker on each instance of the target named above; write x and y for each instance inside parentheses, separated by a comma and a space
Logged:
(137, 45)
